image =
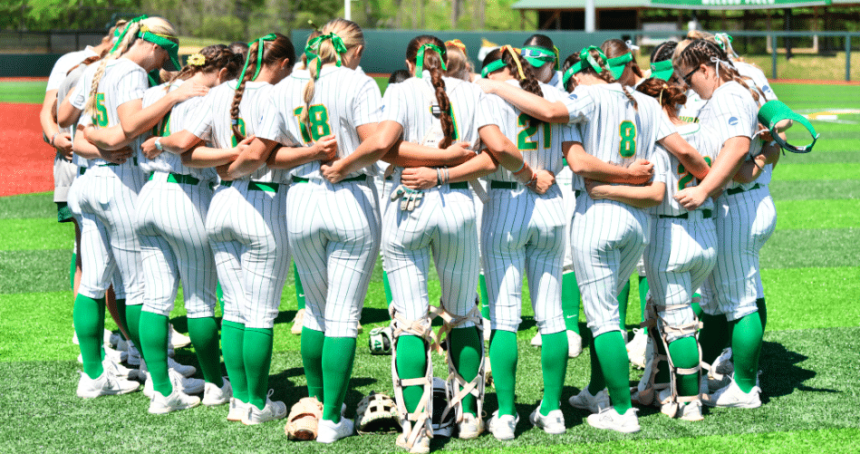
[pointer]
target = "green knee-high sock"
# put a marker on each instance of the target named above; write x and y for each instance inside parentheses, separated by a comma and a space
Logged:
(643, 298)
(300, 289)
(466, 355)
(713, 336)
(503, 357)
(72, 268)
(387, 287)
(312, 353)
(623, 299)
(86, 315)
(762, 312)
(570, 301)
(746, 347)
(553, 361)
(612, 354)
(485, 299)
(132, 320)
(685, 355)
(257, 352)
(338, 356)
(596, 382)
(101, 327)
(233, 346)
(203, 332)
(411, 363)
(153, 344)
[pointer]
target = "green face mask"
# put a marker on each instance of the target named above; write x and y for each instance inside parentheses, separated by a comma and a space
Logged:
(772, 112)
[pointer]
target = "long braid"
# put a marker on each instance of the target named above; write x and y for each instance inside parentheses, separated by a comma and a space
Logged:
(240, 91)
(122, 47)
(433, 63)
(530, 82)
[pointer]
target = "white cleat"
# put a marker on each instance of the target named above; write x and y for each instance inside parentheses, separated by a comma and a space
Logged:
(114, 340)
(106, 337)
(329, 432)
(298, 322)
(691, 411)
(271, 411)
(723, 365)
(107, 384)
(732, 397)
(470, 428)
(115, 355)
(186, 385)
(177, 400)
(75, 338)
(177, 339)
(118, 369)
(122, 345)
(553, 423)
(238, 410)
(636, 348)
(503, 427)
(585, 401)
(420, 446)
(184, 370)
(574, 344)
(133, 354)
(213, 395)
(608, 418)
(537, 341)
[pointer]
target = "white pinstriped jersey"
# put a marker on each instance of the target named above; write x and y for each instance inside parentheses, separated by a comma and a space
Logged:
(677, 177)
(732, 112)
(68, 85)
(540, 143)
(64, 64)
(343, 100)
(556, 80)
(123, 81)
(689, 112)
(760, 81)
(406, 104)
(612, 130)
(212, 121)
(182, 116)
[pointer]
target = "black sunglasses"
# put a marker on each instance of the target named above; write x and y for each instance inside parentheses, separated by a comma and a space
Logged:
(690, 74)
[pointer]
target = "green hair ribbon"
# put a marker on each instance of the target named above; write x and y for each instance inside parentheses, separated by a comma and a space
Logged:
(313, 48)
(125, 31)
(492, 67)
(577, 67)
(585, 55)
(419, 59)
(260, 47)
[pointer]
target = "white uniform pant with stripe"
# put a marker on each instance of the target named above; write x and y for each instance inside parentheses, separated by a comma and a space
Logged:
(680, 255)
(524, 231)
(174, 245)
(334, 234)
(745, 221)
(608, 238)
(564, 179)
(248, 233)
(445, 225)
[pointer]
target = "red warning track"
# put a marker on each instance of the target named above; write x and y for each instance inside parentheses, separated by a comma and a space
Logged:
(26, 162)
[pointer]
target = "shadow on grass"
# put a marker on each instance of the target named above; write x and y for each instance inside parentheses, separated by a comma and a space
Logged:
(780, 373)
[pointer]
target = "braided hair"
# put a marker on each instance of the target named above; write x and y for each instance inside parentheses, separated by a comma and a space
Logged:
(215, 58)
(606, 75)
(433, 63)
(571, 60)
(666, 94)
(528, 83)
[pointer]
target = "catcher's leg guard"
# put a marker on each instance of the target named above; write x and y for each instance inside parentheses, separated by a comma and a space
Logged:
(415, 424)
(457, 386)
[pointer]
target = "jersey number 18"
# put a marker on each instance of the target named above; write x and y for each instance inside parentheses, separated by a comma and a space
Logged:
(318, 117)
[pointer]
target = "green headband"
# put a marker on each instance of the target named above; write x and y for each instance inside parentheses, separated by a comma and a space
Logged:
(577, 67)
(492, 67)
(171, 47)
(313, 48)
(662, 70)
(617, 64)
(419, 59)
(260, 46)
(585, 56)
(538, 56)
(125, 31)
(772, 112)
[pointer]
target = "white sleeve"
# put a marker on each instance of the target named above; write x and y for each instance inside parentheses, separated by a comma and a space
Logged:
(273, 124)
(367, 104)
(661, 166)
(131, 86)
(395, 105)
(580, 105)
(58, 72)
(664, 128)
(736, 119)
(202, 119)
(79, 94)
(488, 111)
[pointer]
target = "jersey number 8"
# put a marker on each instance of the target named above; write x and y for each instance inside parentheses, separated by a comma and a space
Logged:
(530, 125)
(627, 132)
(319, 126)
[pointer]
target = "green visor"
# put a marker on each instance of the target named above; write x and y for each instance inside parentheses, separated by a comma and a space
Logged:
(773, 112)
(617, 64)
(171, 47)
(492, 67)
(537, 56)
(577, 67)
(662, 70)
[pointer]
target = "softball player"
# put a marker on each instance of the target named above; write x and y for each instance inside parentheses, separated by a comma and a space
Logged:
(333, 228)
(111, 93)
(745, 219)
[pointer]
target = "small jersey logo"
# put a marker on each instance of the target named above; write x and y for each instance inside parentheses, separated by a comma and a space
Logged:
(766, 88)
(382, 109)
(573, 96)
(733, 121)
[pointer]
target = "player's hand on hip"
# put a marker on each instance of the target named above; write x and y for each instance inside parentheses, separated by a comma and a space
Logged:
(148, 148)
(332, 171)
(641, 171)
(117, 156)
(63, 144)
(189, 90)
(419, 178)
(326, 148)
(691, 198)
(545, 180)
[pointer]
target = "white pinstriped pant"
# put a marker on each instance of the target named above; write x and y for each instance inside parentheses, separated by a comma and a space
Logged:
(564, 179)
(334, 234)
(174, 245)
(248, 233)
(680, 255)
(106, 198)
(524, 231)
(445, 224)
(745, 221)
(608, 238)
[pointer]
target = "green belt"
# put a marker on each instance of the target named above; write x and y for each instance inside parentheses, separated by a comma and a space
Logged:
(178, 178)
(706, 214)
(82, 170)
(256, 186)
(459, 185)
(345, 180)
(576, 193)
(112, 164)
(739, 190)
(503, 185)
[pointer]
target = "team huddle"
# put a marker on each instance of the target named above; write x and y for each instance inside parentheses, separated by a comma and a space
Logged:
(573, 173)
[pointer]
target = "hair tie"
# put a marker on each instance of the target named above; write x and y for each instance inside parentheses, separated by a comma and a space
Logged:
(507, 47)
(312, 50)
(585, 55)
(196, 60)
(456, 43)
(719, 62)
(419, 59)
(631, 46)
(125, 31)
(260, 47)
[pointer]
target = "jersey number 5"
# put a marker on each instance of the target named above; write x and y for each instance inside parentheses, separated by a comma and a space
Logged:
(319, 126)
(101, 111)
(627, 132)
(530, 128)
(684, 177)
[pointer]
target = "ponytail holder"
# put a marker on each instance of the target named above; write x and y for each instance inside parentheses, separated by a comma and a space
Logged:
(585, 55)
(312, 50)
(631, 46)
(660, 98)
(125, 31)
(419, 59)
(516, 57)
(260, 46)
(196, 60)
(456, 43)
(577, 67)
(724, 40)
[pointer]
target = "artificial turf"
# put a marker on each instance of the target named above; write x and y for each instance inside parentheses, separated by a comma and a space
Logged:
(811, 355)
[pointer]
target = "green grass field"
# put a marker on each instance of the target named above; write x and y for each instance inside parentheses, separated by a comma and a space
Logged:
(811, 273)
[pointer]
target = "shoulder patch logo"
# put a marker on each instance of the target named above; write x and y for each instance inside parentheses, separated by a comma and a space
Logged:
(733, 121)
(766, 88)
(573, 96)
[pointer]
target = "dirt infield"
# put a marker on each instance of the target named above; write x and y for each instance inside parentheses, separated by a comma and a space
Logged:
(26, 162)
